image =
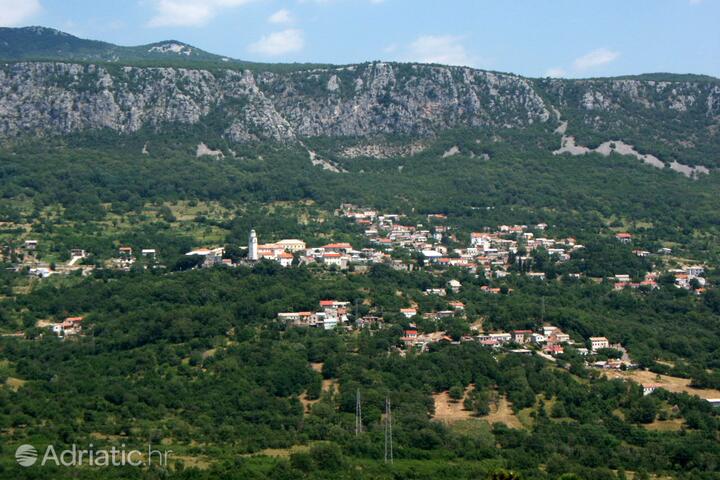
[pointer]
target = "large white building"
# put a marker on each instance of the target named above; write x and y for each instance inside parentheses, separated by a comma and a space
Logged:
(253, 246)
(292, 244)
(597, 343)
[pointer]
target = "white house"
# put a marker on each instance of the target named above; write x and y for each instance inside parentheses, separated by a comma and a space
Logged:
(285, 259)
(597, 343)
(454, 285)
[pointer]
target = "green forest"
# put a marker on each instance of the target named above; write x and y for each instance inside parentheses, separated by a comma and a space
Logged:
(194, 360)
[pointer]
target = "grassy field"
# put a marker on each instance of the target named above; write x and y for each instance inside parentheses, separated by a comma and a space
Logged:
(672, 384)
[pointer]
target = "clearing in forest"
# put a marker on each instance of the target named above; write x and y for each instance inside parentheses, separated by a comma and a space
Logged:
(449, 411)
(671, 384)
(501, 411)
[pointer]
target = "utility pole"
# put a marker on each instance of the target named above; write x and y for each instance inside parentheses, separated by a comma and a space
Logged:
(388, 432)
(358, 413)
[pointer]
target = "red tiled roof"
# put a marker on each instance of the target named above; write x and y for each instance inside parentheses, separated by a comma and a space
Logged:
(338, 245)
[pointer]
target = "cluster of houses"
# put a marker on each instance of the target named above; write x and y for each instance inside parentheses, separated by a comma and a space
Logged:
(549, 340)
(493, 251)
(126, 257)
(622, 281)
(690, 277)
(26, 258)
(489, 251)
(330, 314)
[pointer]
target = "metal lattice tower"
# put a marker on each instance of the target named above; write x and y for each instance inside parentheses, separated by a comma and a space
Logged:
(358, 414)
(388, 432)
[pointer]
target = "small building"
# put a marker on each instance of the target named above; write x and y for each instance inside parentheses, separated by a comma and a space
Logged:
(70, 326)
(285, 258)
(457, 305)
(341, 247)
(501, 337)
(410, 333)
(490, 342)
(149, 252)
(624, 237)
(435, 291)
(368, 321)
(31, 244)
(558, 337)
(432, 254)
(454, 285)
(598, 343)
(548, 330)
(536, 275)
(554, 349)
(125, 252)
(333, 259)
(408, 312)
(521, 336)
(295, 318)
(40, 272)
(649, 388)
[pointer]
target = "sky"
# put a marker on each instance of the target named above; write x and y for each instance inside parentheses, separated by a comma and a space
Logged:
(568, 38)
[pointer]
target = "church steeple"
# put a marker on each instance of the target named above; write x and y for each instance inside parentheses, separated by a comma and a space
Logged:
(252, 246)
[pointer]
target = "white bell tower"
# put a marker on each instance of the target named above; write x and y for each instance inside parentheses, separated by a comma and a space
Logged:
(252, 246)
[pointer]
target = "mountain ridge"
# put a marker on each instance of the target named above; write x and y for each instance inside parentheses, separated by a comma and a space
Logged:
(673, 120)
(195, 55)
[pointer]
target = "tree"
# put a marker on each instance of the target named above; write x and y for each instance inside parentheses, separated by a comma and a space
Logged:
(327, 456)
(456, 393)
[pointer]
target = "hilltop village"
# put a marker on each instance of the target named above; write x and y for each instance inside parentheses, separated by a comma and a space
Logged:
(435, 246)
(386, 238)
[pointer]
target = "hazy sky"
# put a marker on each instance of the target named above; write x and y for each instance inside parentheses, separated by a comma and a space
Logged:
(574, 38)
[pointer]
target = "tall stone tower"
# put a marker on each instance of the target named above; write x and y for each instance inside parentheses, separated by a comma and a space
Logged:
(252, 246)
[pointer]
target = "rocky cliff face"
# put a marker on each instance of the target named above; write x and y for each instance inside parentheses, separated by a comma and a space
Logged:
(60, 98)
(359, 101)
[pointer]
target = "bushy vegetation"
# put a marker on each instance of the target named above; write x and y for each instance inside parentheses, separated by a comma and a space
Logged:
(196, 360)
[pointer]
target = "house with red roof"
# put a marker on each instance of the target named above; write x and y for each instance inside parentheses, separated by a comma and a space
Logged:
(624, 237)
